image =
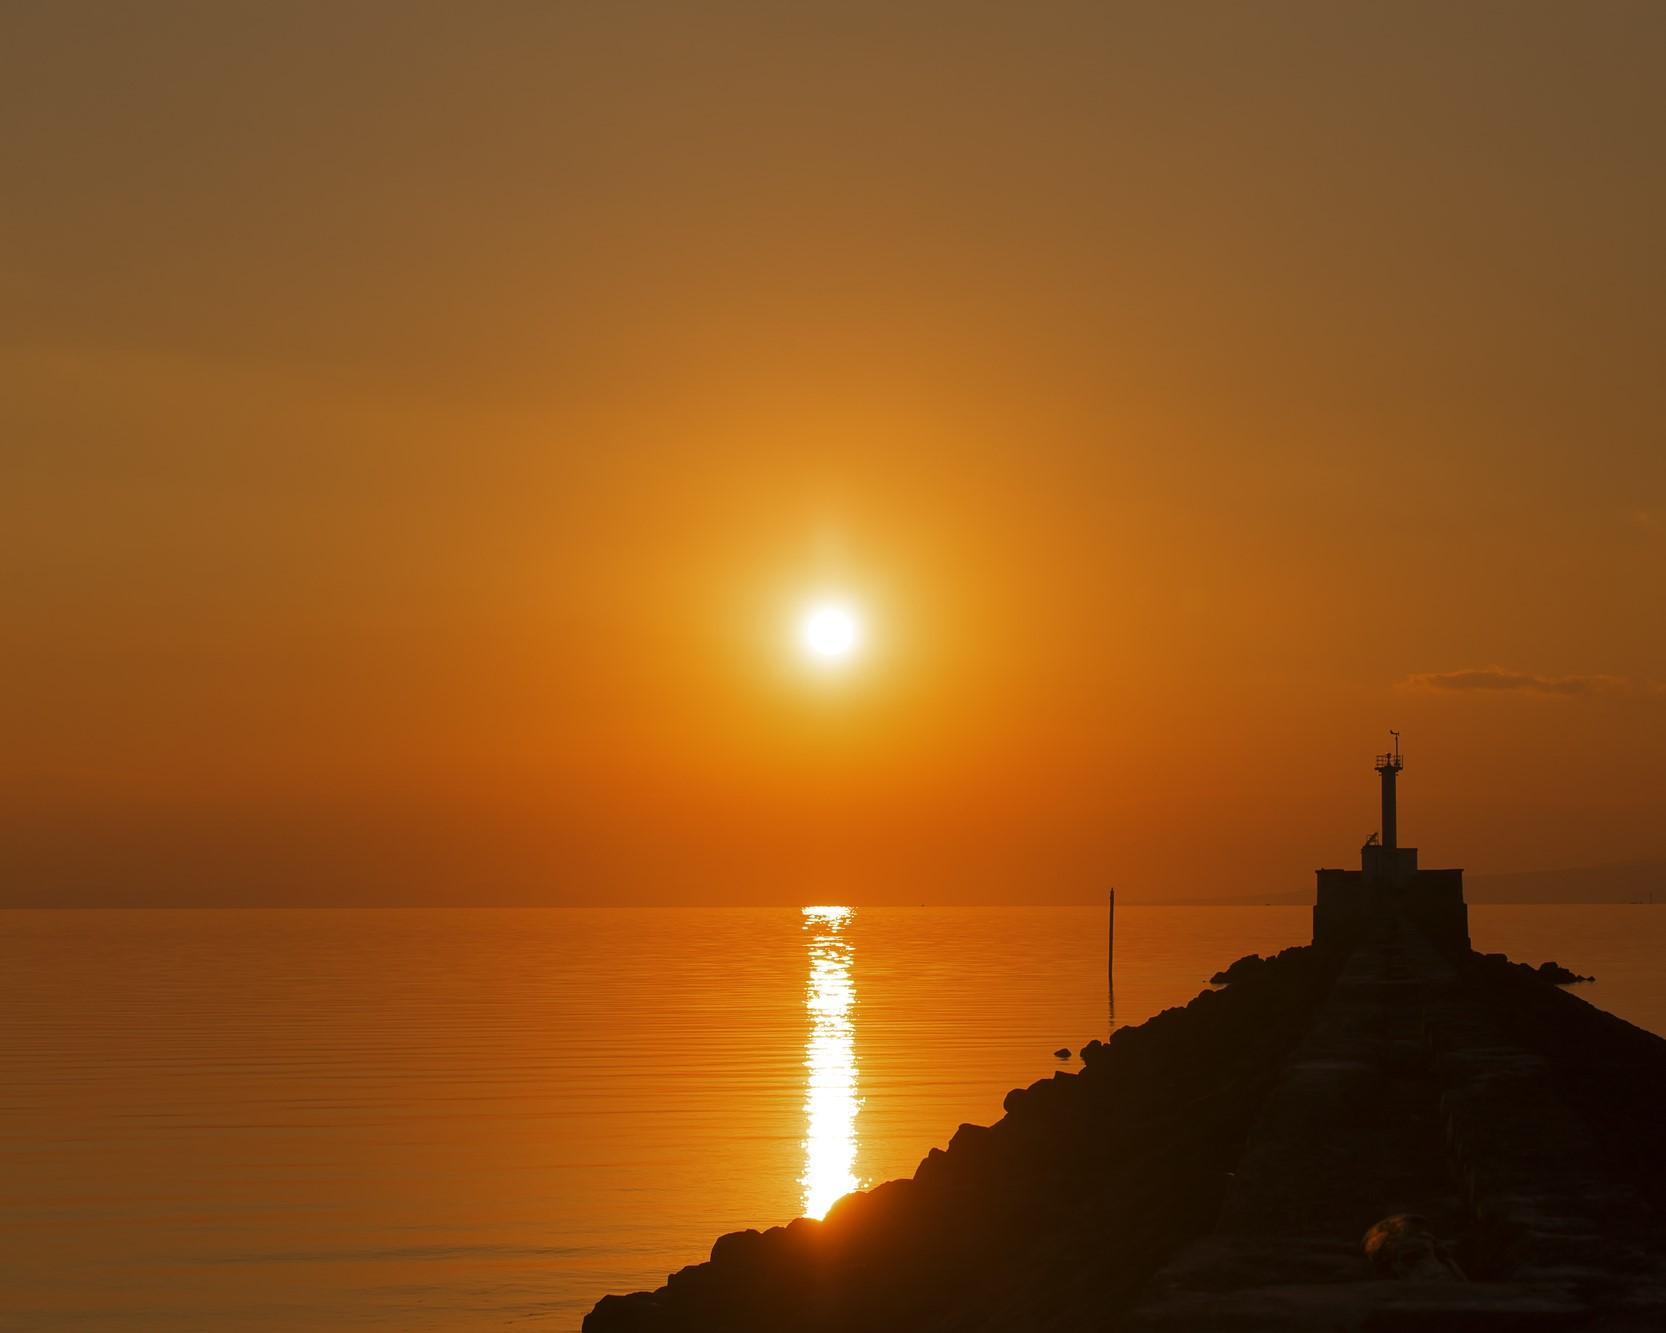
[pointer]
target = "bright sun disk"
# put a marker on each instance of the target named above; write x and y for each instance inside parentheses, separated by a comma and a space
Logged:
(830, 632)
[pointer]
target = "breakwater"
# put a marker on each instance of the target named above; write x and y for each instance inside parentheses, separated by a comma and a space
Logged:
(1219, 1166)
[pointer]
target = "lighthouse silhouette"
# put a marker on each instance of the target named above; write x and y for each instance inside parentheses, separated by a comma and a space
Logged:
(1388, 886)
(1388, 768)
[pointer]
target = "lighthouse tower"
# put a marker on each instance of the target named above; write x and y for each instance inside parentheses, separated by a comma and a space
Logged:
(1388, 882)
(1388, 768)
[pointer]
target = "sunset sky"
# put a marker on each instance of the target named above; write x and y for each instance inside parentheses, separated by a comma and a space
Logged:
(424, 426)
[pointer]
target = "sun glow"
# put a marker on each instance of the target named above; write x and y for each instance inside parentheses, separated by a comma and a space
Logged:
(830, 632)
(830, 1100)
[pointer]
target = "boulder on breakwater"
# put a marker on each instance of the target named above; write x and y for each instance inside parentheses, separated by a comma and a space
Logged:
(1246, 966)
(1554, 973)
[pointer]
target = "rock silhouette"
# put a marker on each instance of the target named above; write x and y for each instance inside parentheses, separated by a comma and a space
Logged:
(1244, 967)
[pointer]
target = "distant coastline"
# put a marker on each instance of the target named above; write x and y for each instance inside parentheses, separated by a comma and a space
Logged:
(1627, 882)
(1634, 882)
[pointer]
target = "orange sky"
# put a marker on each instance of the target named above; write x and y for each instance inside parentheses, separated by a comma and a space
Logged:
(421, 424)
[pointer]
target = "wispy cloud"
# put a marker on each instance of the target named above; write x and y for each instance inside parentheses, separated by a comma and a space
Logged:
(1503, 679)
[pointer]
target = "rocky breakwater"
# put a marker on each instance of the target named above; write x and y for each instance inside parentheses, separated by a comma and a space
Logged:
(1379, 1135)
(1057, 1213)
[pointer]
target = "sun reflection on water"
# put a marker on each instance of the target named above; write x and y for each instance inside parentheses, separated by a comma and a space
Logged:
(830, 1100)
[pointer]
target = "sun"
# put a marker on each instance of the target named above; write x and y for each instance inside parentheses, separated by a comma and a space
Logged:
(830, 632)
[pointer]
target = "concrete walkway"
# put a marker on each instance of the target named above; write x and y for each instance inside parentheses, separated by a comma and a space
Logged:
(1405, 1098)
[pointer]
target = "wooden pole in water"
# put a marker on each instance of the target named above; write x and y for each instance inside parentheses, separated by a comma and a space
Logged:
(1110, 940)
(1110, 967)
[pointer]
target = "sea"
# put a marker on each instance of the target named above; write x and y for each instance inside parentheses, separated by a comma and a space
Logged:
(480, 1118)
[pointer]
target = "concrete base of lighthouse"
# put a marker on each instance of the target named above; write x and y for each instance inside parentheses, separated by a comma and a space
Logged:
(1349, 901)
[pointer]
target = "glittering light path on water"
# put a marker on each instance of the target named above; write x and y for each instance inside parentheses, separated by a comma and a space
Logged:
(830, 1100)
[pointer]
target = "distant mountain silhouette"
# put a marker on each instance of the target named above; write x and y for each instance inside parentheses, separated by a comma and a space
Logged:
(1628, 883)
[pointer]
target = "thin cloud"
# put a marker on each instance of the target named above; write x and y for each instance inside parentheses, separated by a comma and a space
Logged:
(1527, 682)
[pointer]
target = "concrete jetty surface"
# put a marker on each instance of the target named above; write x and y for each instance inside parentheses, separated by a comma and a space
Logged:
(1415, 1091)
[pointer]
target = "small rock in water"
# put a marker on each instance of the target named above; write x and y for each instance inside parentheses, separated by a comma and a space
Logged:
(1063, 1052)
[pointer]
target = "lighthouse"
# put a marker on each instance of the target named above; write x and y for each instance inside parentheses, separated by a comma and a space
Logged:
(1388, 883)
(1388, 768)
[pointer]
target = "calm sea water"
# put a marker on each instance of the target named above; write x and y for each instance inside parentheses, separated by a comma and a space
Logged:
(470, 1119)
